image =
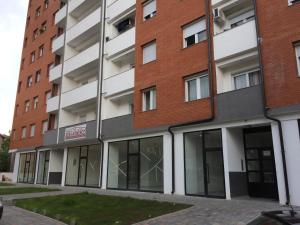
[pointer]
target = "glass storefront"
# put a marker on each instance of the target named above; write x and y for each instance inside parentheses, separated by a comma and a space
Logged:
(43, 167)
(136, 165)
(204, 170)
(26, 172)
(83, 166)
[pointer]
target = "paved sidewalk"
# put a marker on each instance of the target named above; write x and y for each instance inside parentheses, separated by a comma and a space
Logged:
(205, 211)
(16, 216)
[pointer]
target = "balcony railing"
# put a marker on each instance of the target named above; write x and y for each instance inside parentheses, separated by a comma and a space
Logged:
(60, 16)
(55, 73)
(119, 8)
(52, 104)
(58, 44)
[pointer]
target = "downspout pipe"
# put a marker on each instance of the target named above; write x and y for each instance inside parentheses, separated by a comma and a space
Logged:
(212, 102)
(266, 109)
(100, 85)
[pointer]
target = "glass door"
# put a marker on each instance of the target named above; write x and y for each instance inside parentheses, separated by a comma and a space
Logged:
(133, 172)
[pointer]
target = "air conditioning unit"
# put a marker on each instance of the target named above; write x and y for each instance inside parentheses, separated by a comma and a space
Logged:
(217, 17)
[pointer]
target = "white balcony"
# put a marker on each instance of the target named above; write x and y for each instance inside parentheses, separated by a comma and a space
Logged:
(78, 7)
(58, 44)
(60, 17)
(119, 8)
(79, 97)
(83, 62)
(55, 73)
(86, 32)
(121, 44)
(119, 84)
(52, 104)
(235, 41)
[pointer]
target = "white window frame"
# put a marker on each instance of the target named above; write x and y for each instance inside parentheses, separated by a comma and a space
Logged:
(145, 47)
(32, 130)
(290, 2)
(23, 133)
(197, 31)
(247, 77)
(198, 86)
(44, 126)
(152, 99)
(297, 54)
(153, 13)
(35, 102)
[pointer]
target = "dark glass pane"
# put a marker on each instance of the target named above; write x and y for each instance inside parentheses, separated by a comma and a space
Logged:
(254, 177)
(252, 154)
(190, 40)
(134, 146)
(253, 165)
(202, 36)
(269, 177)
(213, 139)
(259, 139)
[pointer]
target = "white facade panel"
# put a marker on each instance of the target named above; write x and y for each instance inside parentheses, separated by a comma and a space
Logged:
(235, 41)
(121, 43)
(119, 83)
(89, 55)
(52, 104)
(61, 15)
(117, 8)
(55, 73)
(81, 94)
(58, 44)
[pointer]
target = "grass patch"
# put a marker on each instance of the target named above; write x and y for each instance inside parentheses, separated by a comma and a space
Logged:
(6, 184)
(92, 209)
(23, 190)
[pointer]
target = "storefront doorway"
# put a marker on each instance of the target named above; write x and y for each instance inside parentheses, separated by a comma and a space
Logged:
(83, 166)
(204, 170)
(260, 163)
(27, 163)
(43, 167)
(136, 165)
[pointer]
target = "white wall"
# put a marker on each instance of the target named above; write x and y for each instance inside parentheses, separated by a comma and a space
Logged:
(56, 160)
(16, 168)
(292, 152)
(167, 151)
(179, 164)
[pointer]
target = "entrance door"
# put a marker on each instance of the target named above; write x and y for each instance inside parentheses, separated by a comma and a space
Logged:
(133, 172)
(27, 168)
(259, 155)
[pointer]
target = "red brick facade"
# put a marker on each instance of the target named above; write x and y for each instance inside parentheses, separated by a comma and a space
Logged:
(279, 26)
(34, 116)
(172, 64)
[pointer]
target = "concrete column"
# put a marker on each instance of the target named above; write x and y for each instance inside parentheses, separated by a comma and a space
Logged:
(104, 166)
(63, 179)
(226, 162)
(278, 163)
(179, 165)
(37, 167)
(16, 168)
(167, 154)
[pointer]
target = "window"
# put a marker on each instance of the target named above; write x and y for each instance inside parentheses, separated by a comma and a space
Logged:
(35, 102)
(43, 27)
(46, 4)
(149, 52)
(149, 99)
(51, 42)
(32, 57)
(242, 18)
(297, 50)
(38, 12)
(29, 81)
(47, 96)
(44, 126)
(196, 87)
(246, 79)
(291, 2)
(23, 135)
(41, 50)
(38, 76)
(25, 42)
(149, 9)
(32, 130)
(28, 21)
(50, 66)
(194, 33)
(26, 106)
(35, 34)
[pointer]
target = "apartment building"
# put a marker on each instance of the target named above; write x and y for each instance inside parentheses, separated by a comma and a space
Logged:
(175, 97)
(30, 120)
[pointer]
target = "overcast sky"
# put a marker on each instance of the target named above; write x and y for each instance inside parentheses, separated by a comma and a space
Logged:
(12, 25)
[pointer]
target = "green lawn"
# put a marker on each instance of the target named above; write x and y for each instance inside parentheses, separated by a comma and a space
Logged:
(92, 209)
(6, 184)
(23, 190)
